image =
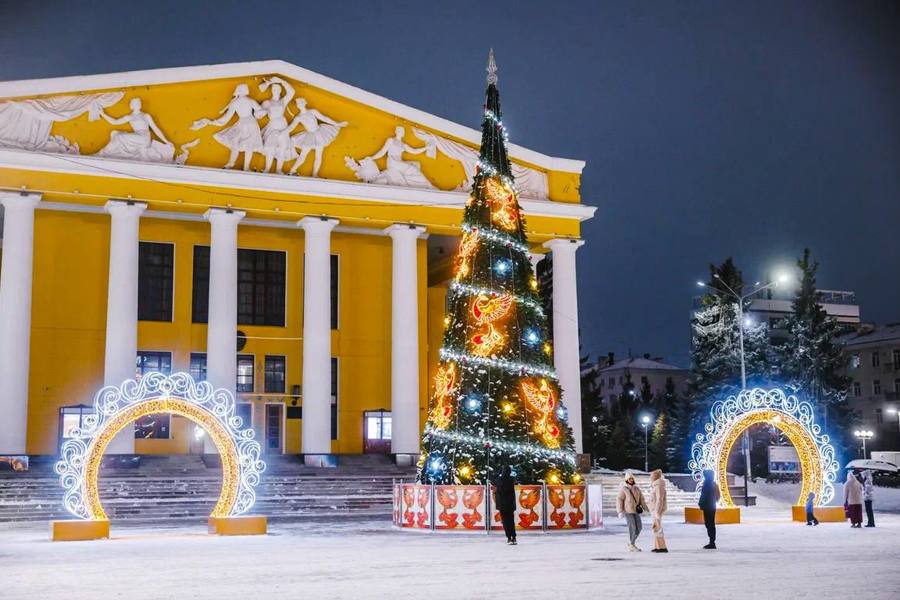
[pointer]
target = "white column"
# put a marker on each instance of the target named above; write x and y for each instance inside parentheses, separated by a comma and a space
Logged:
(565, 330)
(122, 305)
(405, 432)
(221, 329)
(15, 318)
(316, 424)
(534, 258)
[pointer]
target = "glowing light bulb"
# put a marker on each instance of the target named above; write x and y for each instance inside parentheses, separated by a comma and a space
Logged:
(446, 320)
(533, 283)
(502, 266)
(507, 407)
(465, 470)
(548, 348)
(532, 337)
(553, 478)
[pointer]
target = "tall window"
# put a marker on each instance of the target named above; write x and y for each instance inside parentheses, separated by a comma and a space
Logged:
(857, 389)
(854, 360)
(879, 417)
(155, 274)
(334, 398)
(244, 373)
(198, 366)
(335, 288)
(200, 288)
(71, 418)
(897, 387)
(896, 361)
(147, 362)
(153, 426)
(876, 359)
(876, 387)
(275, 372)
(261, 285)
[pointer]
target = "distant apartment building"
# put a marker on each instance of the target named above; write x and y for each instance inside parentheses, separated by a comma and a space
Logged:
(772, 307)
(874, 366)
(634, 374)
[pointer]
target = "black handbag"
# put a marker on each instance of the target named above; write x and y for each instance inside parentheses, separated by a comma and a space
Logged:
(638, 509)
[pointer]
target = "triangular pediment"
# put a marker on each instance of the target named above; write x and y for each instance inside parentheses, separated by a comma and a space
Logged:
(272, 111)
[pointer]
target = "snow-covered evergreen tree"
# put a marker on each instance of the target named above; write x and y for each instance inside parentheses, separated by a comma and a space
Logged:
(811, 358)
(716, 355)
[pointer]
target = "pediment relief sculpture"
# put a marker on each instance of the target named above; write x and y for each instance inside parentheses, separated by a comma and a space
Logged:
(276, 142)
(529, 182)
(396, 171)
(26, 124)
(138, 144)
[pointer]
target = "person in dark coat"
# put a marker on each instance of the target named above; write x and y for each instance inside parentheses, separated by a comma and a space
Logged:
(810, 512)
(506, 503)
(709, 498)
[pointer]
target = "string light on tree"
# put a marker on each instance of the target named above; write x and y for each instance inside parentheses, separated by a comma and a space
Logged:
(503, 381)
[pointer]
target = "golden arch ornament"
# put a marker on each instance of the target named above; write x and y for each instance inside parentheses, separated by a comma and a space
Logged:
(117, 407)
(729, 418)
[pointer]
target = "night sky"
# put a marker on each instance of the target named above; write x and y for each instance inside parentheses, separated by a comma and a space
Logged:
(710, 129)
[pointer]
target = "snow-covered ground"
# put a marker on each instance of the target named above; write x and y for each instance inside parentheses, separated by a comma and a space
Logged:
(778, 494)
(766, 557)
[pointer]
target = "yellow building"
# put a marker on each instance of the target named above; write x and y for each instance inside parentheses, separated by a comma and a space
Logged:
(279, 233)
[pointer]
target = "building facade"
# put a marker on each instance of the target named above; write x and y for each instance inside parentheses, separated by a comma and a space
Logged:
(873, 363)
(773, 307)
(639, 377)
(276, 232)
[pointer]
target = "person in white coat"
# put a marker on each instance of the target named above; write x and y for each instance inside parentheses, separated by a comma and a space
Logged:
(658, 508)
(853, 499)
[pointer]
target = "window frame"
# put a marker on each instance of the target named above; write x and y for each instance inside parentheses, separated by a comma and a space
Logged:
(171, 298)
(876, 387)
(266, 388)
(191, 358)
(166, 416)
(237, 359)
(876, 359)
(335, 412)
(195, 297)
(284, 284)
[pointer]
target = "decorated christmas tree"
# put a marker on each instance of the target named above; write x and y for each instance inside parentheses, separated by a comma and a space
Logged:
(496, 398)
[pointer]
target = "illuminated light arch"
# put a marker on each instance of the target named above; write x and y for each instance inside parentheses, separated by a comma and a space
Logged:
(795, 418)
(117, 407)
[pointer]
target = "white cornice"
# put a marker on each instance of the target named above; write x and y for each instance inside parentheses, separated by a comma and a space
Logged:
(64, 85)
(266, 182)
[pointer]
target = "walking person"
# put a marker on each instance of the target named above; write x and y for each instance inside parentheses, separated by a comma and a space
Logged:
(630, 504)
(709, 498)
(506, 503)
(853, 499)
(810, 509)
(868, 497)
(658, 508)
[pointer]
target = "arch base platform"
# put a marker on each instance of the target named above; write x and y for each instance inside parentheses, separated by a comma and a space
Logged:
(725, 515)
(70, 530)
(825, 514)
(242, 525)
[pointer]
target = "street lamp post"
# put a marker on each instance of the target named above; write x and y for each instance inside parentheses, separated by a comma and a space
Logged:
(745, 441)
(864, 435)
(645, 421)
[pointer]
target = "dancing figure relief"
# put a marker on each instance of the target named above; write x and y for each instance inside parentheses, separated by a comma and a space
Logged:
(138, 144)
(245, 135)
(397, 171)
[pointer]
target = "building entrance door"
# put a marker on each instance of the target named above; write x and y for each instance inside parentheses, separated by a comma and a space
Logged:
(377, 432)
(274, 428)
